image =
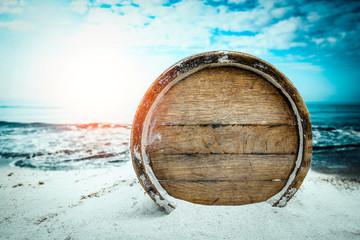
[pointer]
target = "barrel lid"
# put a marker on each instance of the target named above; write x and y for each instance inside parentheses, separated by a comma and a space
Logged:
(221, 128)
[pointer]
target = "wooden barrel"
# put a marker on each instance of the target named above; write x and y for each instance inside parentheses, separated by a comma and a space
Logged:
(221, 128)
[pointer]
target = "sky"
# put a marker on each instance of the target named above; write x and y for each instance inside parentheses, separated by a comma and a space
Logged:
(108, 52)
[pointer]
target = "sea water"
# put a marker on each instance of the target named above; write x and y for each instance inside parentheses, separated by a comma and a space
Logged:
(61, 138)
(336, 136)
(40, 137)
(64, 146)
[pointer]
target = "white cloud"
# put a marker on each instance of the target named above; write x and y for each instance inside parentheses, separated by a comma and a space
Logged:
(331, 40)
(110, 2)
(313, 16)
(280, 12)
(236, 1)
(187, 24)
(17, 25)
(280, 35)
(301, 66)
(269, 4)
(80, 6)
(323, 42)
(194, 25)
(292, 57)
(12, 6)
(153, 25)
(318, 40)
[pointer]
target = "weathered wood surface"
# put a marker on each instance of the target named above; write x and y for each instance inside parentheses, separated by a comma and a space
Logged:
(244, 167)
(223, 192)
(223, 139)
(224, 95)
(223, 135)
(204, 123)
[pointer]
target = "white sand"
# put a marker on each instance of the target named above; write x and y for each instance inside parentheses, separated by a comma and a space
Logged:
(111, 204)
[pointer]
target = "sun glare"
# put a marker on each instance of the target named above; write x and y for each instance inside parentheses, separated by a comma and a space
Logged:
(94, 78)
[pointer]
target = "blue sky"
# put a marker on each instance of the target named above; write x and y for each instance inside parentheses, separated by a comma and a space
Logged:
(109, 51)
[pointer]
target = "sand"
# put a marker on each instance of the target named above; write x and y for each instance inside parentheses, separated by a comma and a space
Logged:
(111, 204)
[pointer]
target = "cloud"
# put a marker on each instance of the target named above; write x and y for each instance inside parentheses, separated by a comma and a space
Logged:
(333, 25)
(318, 40)
(280, 35)
(80, 6)
(257, 26)
(188, 24)
(281, 12)
(17, 25)
(12, 6)
(236, 1)
(306, 66)
(331, 40)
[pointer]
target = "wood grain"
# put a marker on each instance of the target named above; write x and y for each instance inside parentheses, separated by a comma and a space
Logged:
(223, 139)
(223, 192)
(222, 124)
(223, 95)
(219, 167)
(224, 135)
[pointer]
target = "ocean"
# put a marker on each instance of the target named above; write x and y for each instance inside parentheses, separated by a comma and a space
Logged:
(336, 138)
(36, 137)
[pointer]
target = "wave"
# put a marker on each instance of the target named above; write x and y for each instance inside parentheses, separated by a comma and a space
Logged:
(79, 126)
(324, 128)
(59, 153)
(57, 161)
(344, 146)
(63, 165)
(64, 146)
(336, 137)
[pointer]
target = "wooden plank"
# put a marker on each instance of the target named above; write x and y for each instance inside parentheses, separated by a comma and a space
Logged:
(304, 167)
(224, 95)
(220, 96)
(222, 139)
(222, 167)
(223, 192)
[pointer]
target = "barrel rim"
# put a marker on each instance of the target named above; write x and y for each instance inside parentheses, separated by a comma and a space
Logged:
(191, 65)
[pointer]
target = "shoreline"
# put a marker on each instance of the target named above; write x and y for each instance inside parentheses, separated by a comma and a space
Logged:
(109, 203)
(345, 173)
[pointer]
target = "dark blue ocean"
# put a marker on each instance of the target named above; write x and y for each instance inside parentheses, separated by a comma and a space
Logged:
(336, 136)
(32, 137)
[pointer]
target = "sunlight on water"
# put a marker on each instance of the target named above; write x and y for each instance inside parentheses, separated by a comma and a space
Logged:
(71, 146)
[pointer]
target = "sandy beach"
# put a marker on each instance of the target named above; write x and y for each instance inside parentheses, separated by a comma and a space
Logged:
(110, 204)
